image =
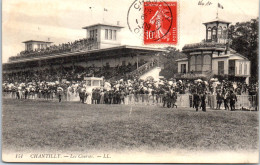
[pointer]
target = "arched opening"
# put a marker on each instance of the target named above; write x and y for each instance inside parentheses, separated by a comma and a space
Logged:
(220, 32)
(214, 33)
(209, 33)
(225, 33)
(192, 63)
(199, 63)
(206, 63)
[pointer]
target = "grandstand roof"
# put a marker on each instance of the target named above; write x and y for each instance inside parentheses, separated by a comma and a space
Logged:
(216, 20)
(235, 56)
(102, 24)
(36, 41)
(182, 59)
(99, 53)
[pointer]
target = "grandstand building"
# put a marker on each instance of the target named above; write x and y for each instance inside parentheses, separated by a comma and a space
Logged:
(213, 57)
(99, 54)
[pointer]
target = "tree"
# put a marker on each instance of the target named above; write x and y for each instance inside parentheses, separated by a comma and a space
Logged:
(170, 66)
(244, 39)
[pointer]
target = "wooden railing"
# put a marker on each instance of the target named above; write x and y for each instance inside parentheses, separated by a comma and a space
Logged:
(143, 69)
(137, 72)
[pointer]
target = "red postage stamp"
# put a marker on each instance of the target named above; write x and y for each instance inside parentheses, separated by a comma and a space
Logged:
(160, 22)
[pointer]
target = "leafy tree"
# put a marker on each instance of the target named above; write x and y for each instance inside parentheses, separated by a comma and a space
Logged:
(170, 66)
(244, 39)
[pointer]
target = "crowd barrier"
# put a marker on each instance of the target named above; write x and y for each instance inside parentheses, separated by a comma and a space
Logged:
(146, 99)
(37, 96)
(249, 102)
(186, 100)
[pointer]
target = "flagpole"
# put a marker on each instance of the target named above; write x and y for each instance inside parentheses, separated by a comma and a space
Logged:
(103, 10)
(217, 13)
(103, 15)
(217, 10)
(91, 13)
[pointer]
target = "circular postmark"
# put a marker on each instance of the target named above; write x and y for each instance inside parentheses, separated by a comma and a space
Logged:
(149, 19)
(135, 18)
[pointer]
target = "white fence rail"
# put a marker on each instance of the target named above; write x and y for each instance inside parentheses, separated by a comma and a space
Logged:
(183, 100)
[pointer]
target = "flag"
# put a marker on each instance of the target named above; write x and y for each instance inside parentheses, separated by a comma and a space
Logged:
(105, 9)
(220, 6)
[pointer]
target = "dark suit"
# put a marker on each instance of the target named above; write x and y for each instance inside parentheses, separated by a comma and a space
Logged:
(233, 100)
(82, 96)
(196, 101)
(203, 102)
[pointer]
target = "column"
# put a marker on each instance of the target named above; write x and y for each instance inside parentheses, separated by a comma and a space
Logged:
(206, 33)
(202, 59)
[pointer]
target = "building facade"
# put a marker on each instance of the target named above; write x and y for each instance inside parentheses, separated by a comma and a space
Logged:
(213, 57)
(106, 35)
(100, 49)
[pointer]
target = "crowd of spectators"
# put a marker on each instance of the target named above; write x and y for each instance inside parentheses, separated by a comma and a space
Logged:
(78, 73)
(120, 81)
(54, 49)
(114, 92)
(124, 72)
(139, 86)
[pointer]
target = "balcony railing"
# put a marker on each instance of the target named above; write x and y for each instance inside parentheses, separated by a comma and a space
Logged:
(194, 75)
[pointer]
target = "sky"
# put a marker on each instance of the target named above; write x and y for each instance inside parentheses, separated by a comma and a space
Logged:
(62, 20)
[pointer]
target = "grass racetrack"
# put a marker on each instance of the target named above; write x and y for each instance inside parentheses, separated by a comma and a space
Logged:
(51, 126)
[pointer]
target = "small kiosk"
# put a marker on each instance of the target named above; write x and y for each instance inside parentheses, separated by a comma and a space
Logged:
(94, 81)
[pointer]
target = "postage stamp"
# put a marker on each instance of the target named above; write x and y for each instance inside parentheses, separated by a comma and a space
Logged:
(160, 22)
(154, 22)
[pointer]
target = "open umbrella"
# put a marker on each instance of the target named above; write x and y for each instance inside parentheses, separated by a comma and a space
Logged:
(199, 80)
(59, 89)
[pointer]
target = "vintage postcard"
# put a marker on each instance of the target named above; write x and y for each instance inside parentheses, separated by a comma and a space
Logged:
(130, 81)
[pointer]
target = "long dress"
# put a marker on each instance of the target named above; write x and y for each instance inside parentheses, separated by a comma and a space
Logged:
(89, 98)
(101, 98)
(68, 95)
(75, 96)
